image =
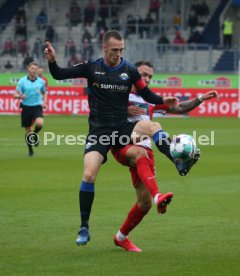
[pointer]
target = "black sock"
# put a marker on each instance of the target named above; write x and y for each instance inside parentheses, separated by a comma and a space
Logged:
(86, 197)
(37, 129)
(165, 148)
(162, 141)
(28, 142)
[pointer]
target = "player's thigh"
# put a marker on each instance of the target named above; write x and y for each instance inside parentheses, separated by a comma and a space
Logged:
(38, 115)
(26, 117)
(144, 198)
(92, 163)
(144, 129)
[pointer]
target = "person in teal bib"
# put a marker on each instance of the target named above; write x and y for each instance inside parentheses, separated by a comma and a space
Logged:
(31, 89)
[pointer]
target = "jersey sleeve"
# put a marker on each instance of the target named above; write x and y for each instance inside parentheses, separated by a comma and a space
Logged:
(137, 80)
(43, 87)
(19, 87)
(77, 71)
(161, 107)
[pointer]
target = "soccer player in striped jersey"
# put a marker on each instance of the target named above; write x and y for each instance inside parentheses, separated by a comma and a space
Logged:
(110, 80)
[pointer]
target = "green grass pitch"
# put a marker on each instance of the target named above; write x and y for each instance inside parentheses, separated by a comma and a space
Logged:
(199, 235)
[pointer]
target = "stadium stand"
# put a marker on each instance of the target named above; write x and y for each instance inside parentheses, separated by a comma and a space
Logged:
(141, 43)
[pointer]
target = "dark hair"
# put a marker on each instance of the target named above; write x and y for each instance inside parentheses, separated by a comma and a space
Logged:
(33, 63)
(142, 62)
(112, 34)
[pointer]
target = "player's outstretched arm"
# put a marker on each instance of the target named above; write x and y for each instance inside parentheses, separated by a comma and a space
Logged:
(210, 94)
(189, 105)
(151, 97)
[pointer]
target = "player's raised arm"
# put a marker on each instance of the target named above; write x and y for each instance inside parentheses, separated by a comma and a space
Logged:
(59, 73)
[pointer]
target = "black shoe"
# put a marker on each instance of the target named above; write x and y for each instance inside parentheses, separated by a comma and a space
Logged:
(36, 143)
(83, 236)
(30, 153)
(184, 166)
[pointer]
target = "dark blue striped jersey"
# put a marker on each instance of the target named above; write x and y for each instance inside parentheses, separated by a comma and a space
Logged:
(108, 88)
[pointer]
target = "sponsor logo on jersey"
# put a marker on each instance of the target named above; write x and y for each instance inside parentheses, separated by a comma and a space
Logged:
(100, 73)
(115, 87)
(124, 76)
(95, 84)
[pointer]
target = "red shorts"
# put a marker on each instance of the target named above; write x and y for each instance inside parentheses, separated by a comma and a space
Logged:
(120, 156)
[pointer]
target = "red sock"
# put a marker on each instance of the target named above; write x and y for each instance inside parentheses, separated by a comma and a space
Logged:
(146, 175)
(133, 219)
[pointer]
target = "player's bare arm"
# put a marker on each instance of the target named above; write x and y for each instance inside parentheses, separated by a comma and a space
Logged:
(19, 95)
(135, 111)
(171, 101)
(44, 104)
(189, 105)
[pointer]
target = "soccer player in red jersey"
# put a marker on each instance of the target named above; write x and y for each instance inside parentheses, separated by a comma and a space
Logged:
(140, 159)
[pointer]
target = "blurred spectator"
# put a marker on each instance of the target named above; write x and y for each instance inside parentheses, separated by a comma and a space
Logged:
(192, 20)
(41, 20)
(162, 40)
(195, 8)
(203, 9)
(73, 60)
(20, 26)
(87, 50)
(89, 13)
(26, 61)
(22, 47)
(74, 14)
(50, 34)
(177, 20)
(38, 48)
(154, 8)
(8, 65)
(178, 40)
(100, 37)
(141, 26)
(131, 25)
(104, 7)
(115, 25)
(70, 47)
(227, 28)
(21, 13)
(148, 24)
(21, 22)
(8, 47)
(195, 37)
(101, 24)
(86, 35)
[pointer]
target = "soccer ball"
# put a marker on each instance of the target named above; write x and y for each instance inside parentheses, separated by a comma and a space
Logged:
(183, 146)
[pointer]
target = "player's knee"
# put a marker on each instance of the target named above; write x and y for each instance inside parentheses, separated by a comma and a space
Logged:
(89, 176)
(138, 153)
(145, 204)
(154, 127)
